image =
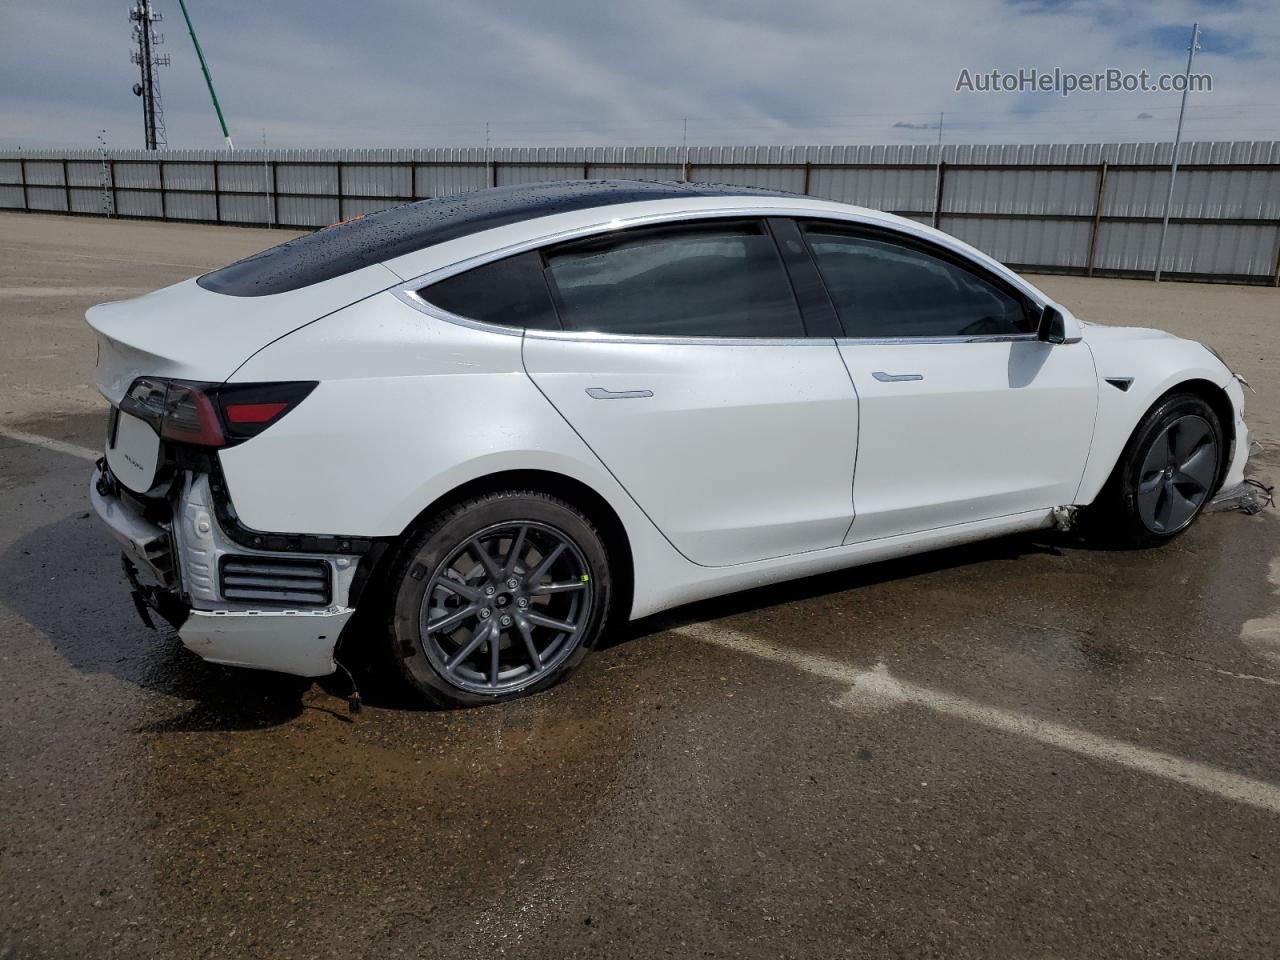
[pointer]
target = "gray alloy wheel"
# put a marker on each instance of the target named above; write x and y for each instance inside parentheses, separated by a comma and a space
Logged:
(1177, 474)
(497, 596)
(506, 608)
(1170, 468)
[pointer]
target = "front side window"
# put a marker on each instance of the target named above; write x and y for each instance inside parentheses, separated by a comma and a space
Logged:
(884, 289)
(696, 280)
(509, 292)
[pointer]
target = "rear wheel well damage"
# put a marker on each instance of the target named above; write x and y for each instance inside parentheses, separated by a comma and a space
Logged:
(378, 565)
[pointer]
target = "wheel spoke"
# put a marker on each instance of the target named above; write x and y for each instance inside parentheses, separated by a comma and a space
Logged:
(1165, 506)
(1180, 507)
(1171, 436)
(1149, 505)
(1157, 459)
(476, 639)
(544, 621)
(1192, 434)
(461, 589)
(453, 619)
(1150, 482)
(1201, 466)
(552, 588)
(545, 564)
(535, 658)
(495, 649)
(490, 568)
(513, 554)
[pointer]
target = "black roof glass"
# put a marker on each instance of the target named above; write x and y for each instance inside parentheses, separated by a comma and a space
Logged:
(391, 233)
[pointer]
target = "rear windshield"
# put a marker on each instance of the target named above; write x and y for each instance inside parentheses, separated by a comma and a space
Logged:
(382, 236)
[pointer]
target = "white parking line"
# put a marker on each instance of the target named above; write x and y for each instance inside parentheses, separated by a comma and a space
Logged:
(878, 686)
(58, 446)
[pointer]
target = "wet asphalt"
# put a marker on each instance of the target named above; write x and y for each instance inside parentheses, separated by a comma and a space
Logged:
(680, 796)
(675, 797)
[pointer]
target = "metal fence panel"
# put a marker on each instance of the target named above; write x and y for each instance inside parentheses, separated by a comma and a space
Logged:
(443, 180)
(45, 172)
(47, 198)
(887, 188)
(182, 205)
(245, 208)
(1024, 190)
(1043, 243)
(377, 180)
(307, 211)
(138, 203)
(308, 178)
(188, 176)
(87, 200)
(137, 175)
(85, 173)
(1035, 205)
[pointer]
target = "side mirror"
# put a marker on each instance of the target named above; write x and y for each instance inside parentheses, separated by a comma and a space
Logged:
(1053, 326)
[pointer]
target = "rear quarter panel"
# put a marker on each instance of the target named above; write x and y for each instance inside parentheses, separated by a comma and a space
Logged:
(409, 407)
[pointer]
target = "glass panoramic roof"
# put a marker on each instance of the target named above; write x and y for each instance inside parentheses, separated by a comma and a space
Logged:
(391, 233)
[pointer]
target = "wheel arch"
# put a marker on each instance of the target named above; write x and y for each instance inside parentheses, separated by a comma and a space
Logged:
(1208, 391)
(581, 495)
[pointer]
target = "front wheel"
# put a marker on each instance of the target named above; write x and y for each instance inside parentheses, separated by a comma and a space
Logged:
(1165, 476)
(499, 597)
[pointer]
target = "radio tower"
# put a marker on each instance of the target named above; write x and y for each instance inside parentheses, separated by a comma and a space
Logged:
(144, 20)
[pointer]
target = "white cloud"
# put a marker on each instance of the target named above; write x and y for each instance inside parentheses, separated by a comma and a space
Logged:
(413, 72)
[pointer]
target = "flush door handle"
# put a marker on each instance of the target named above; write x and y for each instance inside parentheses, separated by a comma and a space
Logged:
(896, 377)
(600, 393)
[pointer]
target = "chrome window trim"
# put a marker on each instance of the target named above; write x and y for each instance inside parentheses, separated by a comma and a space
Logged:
(407, 292)
(595, 336)
(411, 298)
(895, 341)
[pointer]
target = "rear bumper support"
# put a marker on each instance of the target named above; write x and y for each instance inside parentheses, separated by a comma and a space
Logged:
(183, 556)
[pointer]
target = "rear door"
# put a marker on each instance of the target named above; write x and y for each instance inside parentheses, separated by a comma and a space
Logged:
(965, 415)
(683, 361)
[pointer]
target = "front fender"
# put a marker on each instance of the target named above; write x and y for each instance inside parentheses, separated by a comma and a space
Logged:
(1152, 363)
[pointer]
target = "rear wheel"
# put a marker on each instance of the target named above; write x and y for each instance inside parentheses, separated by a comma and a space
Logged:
(498, 597)
(1165, 476)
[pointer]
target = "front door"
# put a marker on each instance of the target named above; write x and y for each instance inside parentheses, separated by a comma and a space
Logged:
(964, 414)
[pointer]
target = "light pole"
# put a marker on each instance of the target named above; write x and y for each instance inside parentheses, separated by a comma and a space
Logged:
(1177, 141)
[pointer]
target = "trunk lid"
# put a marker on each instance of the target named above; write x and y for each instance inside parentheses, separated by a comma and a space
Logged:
(189, 333)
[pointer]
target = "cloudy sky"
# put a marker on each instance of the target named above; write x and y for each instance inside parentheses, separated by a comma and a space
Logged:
(435, 72)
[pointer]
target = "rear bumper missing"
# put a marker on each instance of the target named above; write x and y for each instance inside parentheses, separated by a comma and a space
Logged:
(183, 558)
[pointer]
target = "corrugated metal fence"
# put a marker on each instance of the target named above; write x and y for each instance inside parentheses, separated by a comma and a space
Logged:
(1080, 208)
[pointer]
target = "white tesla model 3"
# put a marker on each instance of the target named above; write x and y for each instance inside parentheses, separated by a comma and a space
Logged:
(498, 422)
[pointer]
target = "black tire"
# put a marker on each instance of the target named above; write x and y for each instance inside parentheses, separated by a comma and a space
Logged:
(447, 556)
(1142, 506)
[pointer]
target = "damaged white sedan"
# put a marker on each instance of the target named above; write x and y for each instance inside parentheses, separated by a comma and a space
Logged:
(498, 423)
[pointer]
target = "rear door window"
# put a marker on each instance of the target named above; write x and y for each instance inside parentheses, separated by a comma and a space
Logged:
(721, 279)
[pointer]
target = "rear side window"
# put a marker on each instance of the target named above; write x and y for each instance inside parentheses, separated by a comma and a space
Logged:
(509, 292)
(885, 289)
(702, 280)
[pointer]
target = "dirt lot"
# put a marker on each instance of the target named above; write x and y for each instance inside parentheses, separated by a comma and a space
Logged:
(1024, 748)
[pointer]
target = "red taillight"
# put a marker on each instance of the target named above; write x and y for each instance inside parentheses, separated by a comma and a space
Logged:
(190, 416)
(211, 414)
(254, 412)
